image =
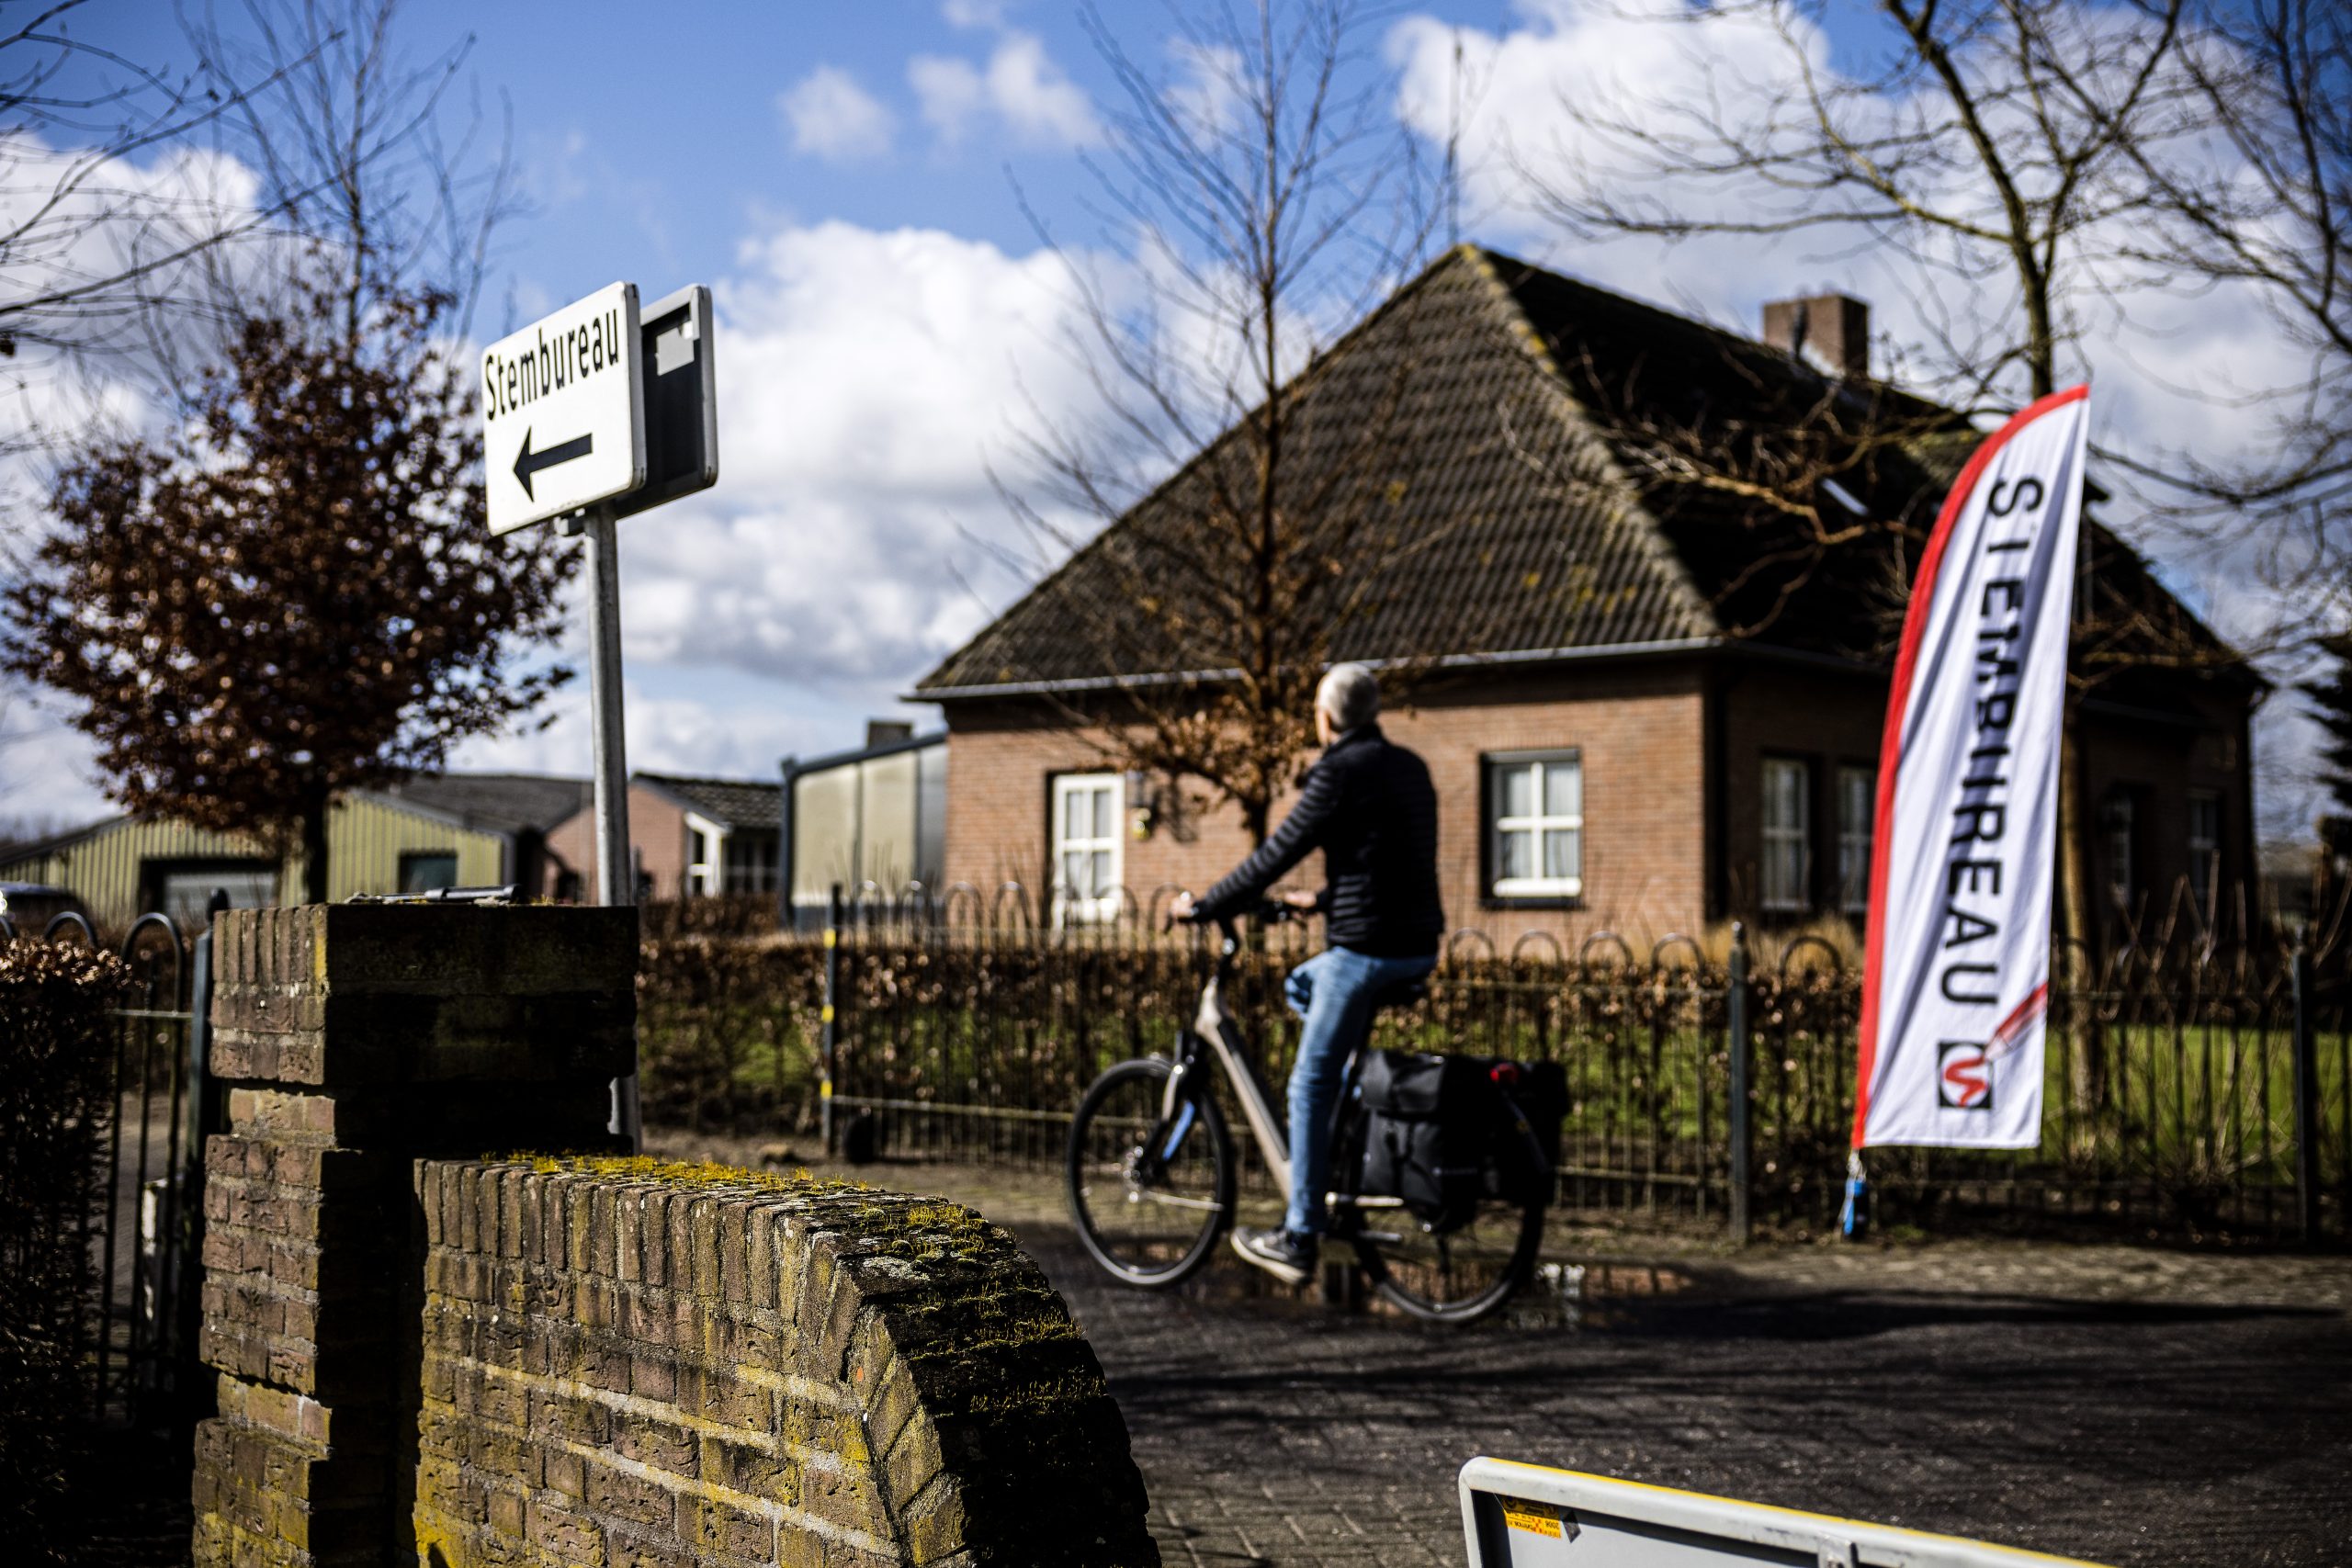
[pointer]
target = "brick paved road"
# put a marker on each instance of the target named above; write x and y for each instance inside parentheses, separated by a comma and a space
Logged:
(2179, 1432)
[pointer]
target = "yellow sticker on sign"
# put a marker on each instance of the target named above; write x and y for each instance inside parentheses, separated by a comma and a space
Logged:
(1535, 1524)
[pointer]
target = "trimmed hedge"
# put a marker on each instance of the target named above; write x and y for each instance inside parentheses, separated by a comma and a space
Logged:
(728, 1029)
(57, 1049)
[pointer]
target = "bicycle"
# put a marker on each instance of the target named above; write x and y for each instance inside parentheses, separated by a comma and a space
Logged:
(1152, 1180)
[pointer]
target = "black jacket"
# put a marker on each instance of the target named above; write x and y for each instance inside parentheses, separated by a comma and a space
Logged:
(1369, 807)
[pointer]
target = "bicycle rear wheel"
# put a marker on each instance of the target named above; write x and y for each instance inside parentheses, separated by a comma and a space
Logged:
(1454, 1274)
(1150, 1201)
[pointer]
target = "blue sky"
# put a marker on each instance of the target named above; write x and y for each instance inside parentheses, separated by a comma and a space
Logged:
(650, 138)
(891, 330)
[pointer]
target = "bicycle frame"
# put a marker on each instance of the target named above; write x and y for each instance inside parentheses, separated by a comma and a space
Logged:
(1215, 1027)
(1212, 1025)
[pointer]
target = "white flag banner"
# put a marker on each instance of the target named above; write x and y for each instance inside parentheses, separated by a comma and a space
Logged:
(1956, 969)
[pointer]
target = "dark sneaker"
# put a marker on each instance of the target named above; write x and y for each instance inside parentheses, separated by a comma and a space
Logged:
(1285, 1254)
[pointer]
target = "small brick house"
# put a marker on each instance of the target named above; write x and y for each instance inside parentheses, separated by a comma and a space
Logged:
(1649, 702)
(688, 837)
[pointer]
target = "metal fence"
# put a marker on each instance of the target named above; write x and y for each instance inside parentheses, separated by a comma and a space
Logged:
(2199, 1092)
(141, 1227)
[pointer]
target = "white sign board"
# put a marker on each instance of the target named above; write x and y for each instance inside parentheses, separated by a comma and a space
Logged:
(564, 410)
(1526, 1516)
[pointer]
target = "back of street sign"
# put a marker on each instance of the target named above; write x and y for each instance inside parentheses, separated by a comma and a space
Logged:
(564, 410)
(681, 382)
(1529, 1515)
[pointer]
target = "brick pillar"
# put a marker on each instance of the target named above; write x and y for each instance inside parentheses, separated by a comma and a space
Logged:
(355, 1038)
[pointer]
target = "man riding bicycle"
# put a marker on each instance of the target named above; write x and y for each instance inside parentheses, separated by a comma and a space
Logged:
(1369, 807)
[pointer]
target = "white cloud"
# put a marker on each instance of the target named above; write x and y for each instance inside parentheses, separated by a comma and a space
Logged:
(832, 116)
(870, 384)
(1208, 92)
(870, 380)
(970, 13)
(667, 734)
(72, 366)
(1020, 87)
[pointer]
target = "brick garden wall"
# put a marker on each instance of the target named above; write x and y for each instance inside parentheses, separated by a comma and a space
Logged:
(628, 1363)
(352, 1039)
(589, 1361)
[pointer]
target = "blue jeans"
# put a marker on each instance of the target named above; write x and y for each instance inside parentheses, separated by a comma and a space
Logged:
(1333, 991)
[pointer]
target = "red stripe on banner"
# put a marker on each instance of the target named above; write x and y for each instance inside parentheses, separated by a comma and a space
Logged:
(1899, 704)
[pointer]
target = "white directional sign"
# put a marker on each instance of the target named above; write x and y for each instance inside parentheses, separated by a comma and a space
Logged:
(564, 410)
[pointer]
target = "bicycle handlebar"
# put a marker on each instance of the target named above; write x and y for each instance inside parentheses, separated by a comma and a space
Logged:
(1266, 912)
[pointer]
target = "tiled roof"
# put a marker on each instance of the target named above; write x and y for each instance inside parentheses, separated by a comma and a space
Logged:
(731, 803)
(1522, 517)
(1487, 544)
(502, 803)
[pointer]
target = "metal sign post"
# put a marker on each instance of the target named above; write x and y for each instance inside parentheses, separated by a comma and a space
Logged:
(615, 868)
(615, 413)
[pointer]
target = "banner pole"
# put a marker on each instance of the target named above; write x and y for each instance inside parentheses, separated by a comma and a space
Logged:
(1742, 1133)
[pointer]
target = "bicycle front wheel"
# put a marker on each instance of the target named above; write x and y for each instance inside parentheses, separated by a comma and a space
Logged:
(1451, 1273)
(1149, 1199)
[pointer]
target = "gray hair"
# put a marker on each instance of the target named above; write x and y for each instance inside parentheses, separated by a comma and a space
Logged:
(1351, 694)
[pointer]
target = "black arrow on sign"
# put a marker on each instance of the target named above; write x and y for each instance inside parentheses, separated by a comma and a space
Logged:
(528, 462)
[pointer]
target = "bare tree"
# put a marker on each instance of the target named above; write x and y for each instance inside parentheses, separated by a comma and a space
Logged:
(93, 245)
(2266, 210)
(391, 184)
(292, 593)
(300, 597)
(1992, 145)
(1270, 199)
(2001, 152)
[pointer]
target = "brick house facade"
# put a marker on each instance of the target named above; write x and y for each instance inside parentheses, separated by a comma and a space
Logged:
(1619, 737)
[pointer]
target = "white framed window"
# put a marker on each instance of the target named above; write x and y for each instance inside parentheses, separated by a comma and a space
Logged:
(2204, 847)
(1087, 809)
(1788, 834)
(1535, 825)
(1857, 818)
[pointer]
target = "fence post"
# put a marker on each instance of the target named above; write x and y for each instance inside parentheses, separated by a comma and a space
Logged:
(827, 1039)
(2307, 1133)
(189, 1386)
(1741, 1134)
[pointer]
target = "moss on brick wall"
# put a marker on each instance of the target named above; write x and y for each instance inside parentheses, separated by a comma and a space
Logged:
(633, 1363)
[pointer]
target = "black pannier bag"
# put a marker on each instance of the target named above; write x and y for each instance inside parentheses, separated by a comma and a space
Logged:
(1429, 1119)
(1436, 1135)
(1540, 1090)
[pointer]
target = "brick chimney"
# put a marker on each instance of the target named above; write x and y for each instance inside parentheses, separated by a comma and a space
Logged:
(1831, 331)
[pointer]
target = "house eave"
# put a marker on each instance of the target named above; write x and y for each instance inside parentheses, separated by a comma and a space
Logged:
(1512, 658)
